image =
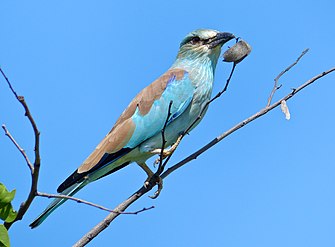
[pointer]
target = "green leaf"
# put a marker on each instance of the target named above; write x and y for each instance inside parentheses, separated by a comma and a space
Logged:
(4, 238)
(5, 195)
(7, 213)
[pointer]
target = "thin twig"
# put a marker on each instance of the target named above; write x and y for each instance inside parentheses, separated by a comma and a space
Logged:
(275, 86)
(7, 133)
(41, 194)
(36, 167)
(155, 179)
(227, 83)
(106, 222)
(161, 165)
(9, 84)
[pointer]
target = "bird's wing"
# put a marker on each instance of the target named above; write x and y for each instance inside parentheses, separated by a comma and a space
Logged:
(143, 118)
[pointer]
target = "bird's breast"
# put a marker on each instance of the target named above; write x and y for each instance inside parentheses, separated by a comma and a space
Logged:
(203, 83)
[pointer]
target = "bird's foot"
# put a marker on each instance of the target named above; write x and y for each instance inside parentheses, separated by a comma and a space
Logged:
(163, 154)
(151, 182)
(159, 184)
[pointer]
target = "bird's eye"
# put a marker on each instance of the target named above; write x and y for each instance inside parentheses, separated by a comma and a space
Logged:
(206, 41)
(195, 40)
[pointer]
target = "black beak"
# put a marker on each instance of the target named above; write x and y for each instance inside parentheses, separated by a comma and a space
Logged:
(220, 39)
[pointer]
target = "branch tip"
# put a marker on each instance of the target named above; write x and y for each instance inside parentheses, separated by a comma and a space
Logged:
(275, 86)
(34, 169)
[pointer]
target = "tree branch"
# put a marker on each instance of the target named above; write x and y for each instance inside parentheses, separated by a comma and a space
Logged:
(78, 200)
(243, 123)
(106, 222)
(143, 190)
(36, 166)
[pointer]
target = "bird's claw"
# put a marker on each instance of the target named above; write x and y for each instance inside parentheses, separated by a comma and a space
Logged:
(159, 188)
(154, 180)
(163, 154)
(146, 184)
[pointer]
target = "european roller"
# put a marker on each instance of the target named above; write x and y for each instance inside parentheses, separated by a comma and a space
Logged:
(183, 91)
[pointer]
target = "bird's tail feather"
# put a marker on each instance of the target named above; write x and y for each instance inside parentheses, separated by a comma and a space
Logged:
(56, 203)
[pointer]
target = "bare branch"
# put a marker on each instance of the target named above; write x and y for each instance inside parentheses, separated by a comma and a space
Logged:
(275, 86)
(112, 216)
(36, 167)
(41, 194)
(243, 123)
(124, 205)
(7, 133)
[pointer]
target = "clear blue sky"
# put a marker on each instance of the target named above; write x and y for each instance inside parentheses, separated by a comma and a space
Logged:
(79, 63)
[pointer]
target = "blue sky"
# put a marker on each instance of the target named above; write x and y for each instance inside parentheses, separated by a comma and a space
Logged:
(79, 63)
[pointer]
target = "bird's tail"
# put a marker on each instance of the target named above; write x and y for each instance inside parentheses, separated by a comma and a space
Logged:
(56, 203)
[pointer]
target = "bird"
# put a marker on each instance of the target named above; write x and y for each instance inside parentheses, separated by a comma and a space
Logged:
(182, 92)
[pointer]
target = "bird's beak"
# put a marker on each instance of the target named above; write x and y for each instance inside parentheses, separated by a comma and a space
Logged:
(220, 39)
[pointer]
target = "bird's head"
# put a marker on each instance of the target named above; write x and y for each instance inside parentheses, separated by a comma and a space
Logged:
(203, 44)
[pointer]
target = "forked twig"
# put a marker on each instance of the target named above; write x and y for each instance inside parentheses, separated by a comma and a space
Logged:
(275, 86)
(33, 168)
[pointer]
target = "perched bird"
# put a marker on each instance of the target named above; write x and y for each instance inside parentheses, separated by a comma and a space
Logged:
(136, 135)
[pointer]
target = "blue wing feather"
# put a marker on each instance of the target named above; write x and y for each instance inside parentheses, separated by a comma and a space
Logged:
(181, 109)
(180, 92)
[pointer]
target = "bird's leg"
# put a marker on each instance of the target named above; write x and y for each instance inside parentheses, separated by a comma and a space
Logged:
(154, 178)
(147, 170)
(166, 152)
(151, 176)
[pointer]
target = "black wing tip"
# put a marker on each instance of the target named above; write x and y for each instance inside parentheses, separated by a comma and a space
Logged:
(34, 224)
(38, 221)
(75, 177)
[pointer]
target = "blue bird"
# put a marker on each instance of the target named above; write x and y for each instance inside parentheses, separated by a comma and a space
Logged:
(136, 135)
